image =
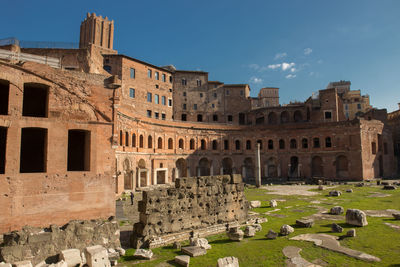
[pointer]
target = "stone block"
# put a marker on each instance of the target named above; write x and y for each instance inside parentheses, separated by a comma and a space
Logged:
(143, 254)
(236, 178)
(40, 264)
(3, 264)
(22, 264)
(286, 229)
(97, 256)
(351, 233)
(389, 187)
(228, 262)
(194, 251)
(71, 256)
(356, 217)
(182, 260)
(273, 203)
(199, 242)
(271, 234)
(396, 215)
(235, 234)
(307, 223)
(249, 231)
(121, 251)
(335, 193)
(60, 264)
(255, 204)
(337, 210)
(258, 227)
(336, 228)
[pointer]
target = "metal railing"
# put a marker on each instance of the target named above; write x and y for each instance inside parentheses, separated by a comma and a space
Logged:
(15, 56)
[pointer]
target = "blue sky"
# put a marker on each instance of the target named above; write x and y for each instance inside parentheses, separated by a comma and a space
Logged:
(298, 46)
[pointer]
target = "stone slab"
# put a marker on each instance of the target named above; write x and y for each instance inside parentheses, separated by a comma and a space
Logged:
(193, 251)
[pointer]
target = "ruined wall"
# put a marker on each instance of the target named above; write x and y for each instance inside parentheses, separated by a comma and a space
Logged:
(36, 244)
(194, 203)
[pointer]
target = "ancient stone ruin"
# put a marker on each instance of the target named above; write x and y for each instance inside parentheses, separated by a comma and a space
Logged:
(203, 204)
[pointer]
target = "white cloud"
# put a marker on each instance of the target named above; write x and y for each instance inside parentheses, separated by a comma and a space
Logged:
(293, 70)
(255, 80)
(286, 66)
(274, 66)
(290, 76)
(254, 66)
(280, 55)
(307, 51)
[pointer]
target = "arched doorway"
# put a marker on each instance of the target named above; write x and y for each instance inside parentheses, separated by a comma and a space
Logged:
(342, 167)
(248, 169)
(204, 167)
(285, 117)
(227, 166)
(272, 168)
(272, 118)
(128, 181)
(142, 174)
(294, 167)
(298, 116)
(317, 170)
(181, 168)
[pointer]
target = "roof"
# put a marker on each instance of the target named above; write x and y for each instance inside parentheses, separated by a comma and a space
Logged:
(192, 71)
(138, 61)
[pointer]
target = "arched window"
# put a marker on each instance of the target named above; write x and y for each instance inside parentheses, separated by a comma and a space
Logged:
(298, 117)
(126, 139)
(141, 141)
(281, 144)
(133, 140)
(170, 143)
(293, 143)
(150, 142)
(237, 144)
(316, 142)
(203, 144)
(121, 138)
(304, 143)
(248, 144)
(285, 117)
(260, 142)
(191, 144)
(270, 144)
(214, 144)
(328, 142)
(159, 142)
(180, 143)
(272, 118)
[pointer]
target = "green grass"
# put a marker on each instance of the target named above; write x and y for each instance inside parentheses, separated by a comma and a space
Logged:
(376, 239)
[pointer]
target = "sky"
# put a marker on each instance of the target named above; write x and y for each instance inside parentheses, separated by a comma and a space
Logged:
(297, 45)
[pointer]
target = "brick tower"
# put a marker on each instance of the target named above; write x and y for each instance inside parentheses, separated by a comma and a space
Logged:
(97, 31)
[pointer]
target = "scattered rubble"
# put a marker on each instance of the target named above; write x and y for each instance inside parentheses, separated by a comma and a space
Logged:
(249, 231)
(356, 217)
(286, 229)
(271, 234)
(336, 228)
(307, 223)
(235, 234)
(143, 254)
(182, 260)
(228, 262)
(194, 251)
(273, 203)
(337, 210)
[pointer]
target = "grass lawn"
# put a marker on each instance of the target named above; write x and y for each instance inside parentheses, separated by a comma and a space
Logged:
(376, 238)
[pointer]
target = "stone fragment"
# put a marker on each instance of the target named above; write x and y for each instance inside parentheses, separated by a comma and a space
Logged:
(396, 215)
(228, 262)
(64, 264)
(121, 251)
(177, 245)
(272, 234)
(22, 264)
(40, 264)
(389, 187)
(356, 217)
(249, 231)
(97, 256)
(307, 223)
(3, 264)
(286, 229)
(349, 190)
(351, 233)
(194, 251)
(71, 256)
(261, 220)
(258, 227)
(273, 203)
(336, 228)
(335, 193)
(199, 242)
(235, 234)
(295, 259)
(255, 204)
(143, 254)
(320, 187)
(337, 210)
(182, 260)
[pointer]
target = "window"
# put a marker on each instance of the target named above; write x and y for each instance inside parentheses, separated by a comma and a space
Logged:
(215, 95)
(184, 106)
(170, 79)
(183, 117)
(163, 100)
(198, 82)
(227, 92)
(195, 106)
(159, 143)
(241, 92)
(4, 96)
(214, 144)
(156, 99)
(281, 144)
(107, 68)
(226, 144)
(170, 89)
(156, 74)
(163, 77)
(169, 102)
(132, 72)
(157, 86)
(191, 144)
(328, 115)
(237, 144)
(156, 115)
(121, 138)
(293, 143)
(180, 143)
(141, 141)
(149, 142)
(203, 144)
(149, 113)
(132, 92)
(163, 116)
(35, 100)
(201, 94)
(260, 142)
(149, 73)
(199, 117)
(149, 97)
(126, 139)
(212, 105)
(230, 118)
(304, 143)
(170, 143)
(373, 148)
(215, 117)
(133, 140)
(3, 144)
(328, 142)
(184, 93)
(248, 144)
(270, 144)
(346, 107)
(358, 106)
(33, 154)
(79, 150)
(184, 81)
(316, 142)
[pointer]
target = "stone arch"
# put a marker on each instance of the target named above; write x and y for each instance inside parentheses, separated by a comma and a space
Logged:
(298, 116)
(259, 118)
(128, 181)
(170, 143)
(159, 143)
(227, 166)
(317, 169)
(181, 167)
(204, 167)
(342, 167)
(248, 169)
(272, 118)
(285, 118)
